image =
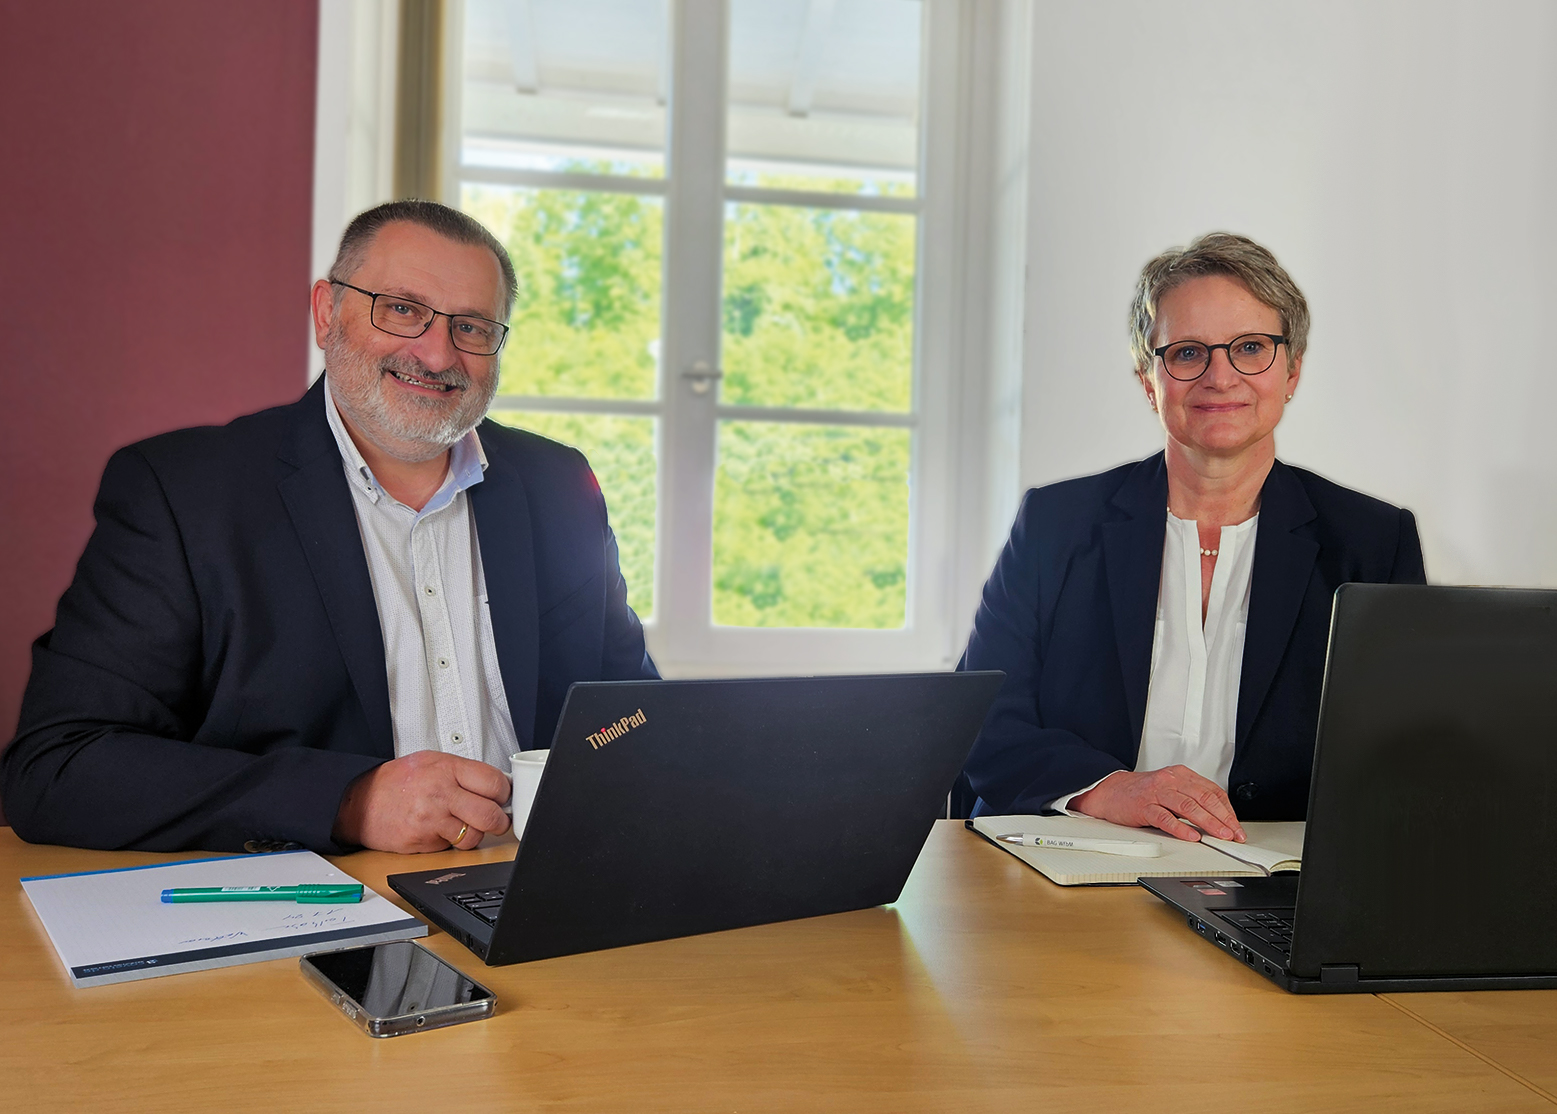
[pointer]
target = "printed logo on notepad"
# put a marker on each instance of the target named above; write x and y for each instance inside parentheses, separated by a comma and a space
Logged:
(616, 730)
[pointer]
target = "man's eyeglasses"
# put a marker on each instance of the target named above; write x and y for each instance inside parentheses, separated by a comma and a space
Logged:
(1249, 354)
(402, 317)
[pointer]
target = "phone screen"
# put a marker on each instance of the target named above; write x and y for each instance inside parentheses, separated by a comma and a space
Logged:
(391, 980)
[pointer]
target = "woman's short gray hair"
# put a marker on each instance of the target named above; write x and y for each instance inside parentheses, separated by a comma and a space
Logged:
(1217, 253)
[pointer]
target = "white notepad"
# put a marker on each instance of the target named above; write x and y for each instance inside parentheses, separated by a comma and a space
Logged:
(112, 925)
(1271, 846)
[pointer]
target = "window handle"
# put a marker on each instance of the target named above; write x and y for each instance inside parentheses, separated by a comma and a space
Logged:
(701, 376)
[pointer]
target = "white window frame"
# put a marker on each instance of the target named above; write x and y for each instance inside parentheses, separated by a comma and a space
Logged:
(971, 202)
(685, 636)
(354, 126)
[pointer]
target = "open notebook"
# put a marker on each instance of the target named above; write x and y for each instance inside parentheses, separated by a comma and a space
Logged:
(1271, 847)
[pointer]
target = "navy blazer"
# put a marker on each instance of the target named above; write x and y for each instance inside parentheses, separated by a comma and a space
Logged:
(1070, 610)
(216, 673)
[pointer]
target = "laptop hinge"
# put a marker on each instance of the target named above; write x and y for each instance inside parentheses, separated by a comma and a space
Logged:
(1338, 972)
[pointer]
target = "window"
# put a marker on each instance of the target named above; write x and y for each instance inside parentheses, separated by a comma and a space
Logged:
(731, 220)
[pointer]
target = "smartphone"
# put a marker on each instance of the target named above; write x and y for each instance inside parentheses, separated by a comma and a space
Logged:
(392, 989)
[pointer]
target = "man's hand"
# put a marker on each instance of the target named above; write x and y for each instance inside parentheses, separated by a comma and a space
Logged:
(1162, 799)
(426, 801)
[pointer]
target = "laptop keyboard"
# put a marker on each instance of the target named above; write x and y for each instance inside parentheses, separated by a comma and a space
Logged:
(482, 903)
(1274, 928)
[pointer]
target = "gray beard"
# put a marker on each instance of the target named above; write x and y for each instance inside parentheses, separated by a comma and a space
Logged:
(359, 390)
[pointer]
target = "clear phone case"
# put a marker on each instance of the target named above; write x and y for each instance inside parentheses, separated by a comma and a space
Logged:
(389, 990)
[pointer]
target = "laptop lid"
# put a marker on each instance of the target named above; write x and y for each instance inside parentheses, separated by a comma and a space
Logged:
(1433, 811)
(670, 808)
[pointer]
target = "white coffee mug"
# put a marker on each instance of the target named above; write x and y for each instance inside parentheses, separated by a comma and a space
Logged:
(527, 767)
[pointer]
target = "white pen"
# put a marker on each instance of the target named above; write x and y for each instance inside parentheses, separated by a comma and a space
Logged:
(1140, 849)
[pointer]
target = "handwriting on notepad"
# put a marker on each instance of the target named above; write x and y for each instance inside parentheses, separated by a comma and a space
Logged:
(310, 922)
(218, 938)
(295, 922)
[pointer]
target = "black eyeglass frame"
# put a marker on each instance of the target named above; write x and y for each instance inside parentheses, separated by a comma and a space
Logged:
(1277, 338)
(502, 337)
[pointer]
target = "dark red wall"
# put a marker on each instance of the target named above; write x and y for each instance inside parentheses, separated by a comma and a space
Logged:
(156, 165)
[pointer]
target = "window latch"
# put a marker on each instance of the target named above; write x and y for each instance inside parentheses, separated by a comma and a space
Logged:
(701, 376)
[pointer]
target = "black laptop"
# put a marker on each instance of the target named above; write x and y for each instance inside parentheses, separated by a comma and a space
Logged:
(671, 808)
(1430, 857)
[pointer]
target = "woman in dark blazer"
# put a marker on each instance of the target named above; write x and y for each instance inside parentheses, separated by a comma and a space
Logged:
(1163, 625)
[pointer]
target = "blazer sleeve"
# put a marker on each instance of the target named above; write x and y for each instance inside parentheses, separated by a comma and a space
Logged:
(624, 656)
(105, 754)
(1019, 763)
(1408, 567)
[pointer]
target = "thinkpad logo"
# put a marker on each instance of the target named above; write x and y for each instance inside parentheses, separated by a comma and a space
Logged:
(451, 876)
(616, 730)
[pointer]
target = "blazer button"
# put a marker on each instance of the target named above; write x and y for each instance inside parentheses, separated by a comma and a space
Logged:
(261, 846)
(1247, 791)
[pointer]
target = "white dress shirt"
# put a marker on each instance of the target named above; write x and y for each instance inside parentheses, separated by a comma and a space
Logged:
(445, 688)
(1192, 701)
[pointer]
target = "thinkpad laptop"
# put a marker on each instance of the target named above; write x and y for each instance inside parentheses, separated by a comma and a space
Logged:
(671, 808)
(1428, 862)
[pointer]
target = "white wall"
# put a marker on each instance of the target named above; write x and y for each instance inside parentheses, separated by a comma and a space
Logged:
(993, 129)
(1401, 161)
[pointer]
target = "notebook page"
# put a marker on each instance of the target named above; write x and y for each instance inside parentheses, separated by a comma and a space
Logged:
(1091, 868)
(1271, 846)
(113, 916)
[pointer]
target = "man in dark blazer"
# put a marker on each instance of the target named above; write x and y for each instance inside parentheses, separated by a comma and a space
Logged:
(1069, 615)
(218, 676)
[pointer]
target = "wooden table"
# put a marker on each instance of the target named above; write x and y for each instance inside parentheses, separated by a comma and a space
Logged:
(985, 987)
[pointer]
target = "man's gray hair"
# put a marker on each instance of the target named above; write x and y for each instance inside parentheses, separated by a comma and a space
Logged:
(1217, 253)
(447, 222)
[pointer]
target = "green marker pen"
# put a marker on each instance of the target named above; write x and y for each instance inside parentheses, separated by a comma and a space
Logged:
(314, 895)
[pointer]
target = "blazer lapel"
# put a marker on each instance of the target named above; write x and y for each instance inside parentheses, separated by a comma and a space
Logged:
(1132, 553)
(504, 530)
(319, 503)
(1283, 562)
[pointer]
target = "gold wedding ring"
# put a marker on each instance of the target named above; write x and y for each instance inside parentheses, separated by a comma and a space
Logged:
(463, 829)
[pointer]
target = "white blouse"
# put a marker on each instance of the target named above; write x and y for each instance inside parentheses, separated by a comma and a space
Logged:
(1192, 701)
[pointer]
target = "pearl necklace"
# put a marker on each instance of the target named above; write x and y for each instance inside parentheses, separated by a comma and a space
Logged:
(1204, 552)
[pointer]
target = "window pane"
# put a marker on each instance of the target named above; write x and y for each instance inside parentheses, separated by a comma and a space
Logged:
(825, 96)
(550, 81)
(810, 525)
(586, 321)
(622, 453)
(818, 308)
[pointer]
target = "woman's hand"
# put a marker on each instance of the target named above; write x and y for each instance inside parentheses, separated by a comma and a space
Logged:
(1162, 799)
